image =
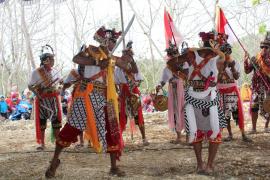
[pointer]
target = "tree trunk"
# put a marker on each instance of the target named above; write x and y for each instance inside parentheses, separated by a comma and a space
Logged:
(54, 33)
(140, 22)
(28, 46)
(13, 53)
(206, 10)
(76, 32)
(2, 51)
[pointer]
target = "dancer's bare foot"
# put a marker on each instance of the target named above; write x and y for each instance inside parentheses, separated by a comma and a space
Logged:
(209, 171)
(267, 130)
(253, 131)
(246, 139)
(117, 172)
(145, 142)
(227, 139)
(50, 172)
(176, 141)
(40, 148)
(200, 170)
(78, 146)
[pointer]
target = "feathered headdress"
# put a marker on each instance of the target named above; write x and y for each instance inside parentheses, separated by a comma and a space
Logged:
(220, 38)
(46, 51)
(102, 35)
(172, 50)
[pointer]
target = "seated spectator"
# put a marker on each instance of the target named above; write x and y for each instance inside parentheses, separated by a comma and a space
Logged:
(148, 104)
(9, 103)
(13, 101)
(27, 95)
(21, 111)
(3, 107)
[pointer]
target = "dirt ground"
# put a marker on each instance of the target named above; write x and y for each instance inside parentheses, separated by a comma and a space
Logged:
(159, 160)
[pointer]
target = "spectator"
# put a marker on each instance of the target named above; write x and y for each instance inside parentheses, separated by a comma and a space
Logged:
(148, 104)
(22, 110)
(3, 107)
(9, 103)
(15, 100)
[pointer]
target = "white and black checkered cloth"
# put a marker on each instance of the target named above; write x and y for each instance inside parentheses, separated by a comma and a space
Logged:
(204, 104)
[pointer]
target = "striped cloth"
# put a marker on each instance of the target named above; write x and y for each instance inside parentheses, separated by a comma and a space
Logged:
(78, 116)
(48, 108)
(204, 104)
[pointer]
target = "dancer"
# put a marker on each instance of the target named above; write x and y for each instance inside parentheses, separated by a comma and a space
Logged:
(129, 94)
(94, 107)
(230, 96)
(260, 65)
(43, 82)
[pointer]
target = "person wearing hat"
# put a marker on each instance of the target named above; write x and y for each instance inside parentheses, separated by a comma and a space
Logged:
(260, 65)
(230, 95)
(175, 92)
(94, 108)
(128, 84)
(204, 117)
(43, 82)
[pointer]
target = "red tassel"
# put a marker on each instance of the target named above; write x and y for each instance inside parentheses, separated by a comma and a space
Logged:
(37, 118)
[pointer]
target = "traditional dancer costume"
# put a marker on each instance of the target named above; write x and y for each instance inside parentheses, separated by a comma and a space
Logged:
(94, 106)
(175, 77)
(90, 111)
(260, 79)
(175, 99)
(129, 93)
(203, 114)
(230, 96)
(48, 105)
(129, 87)
(128, 83)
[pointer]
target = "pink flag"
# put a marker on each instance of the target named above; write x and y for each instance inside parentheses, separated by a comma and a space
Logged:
(171, 34)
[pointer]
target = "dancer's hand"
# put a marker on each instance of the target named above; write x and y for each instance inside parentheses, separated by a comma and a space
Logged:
(231, 64)
(158, 87)
(246, 57)
(103, 63)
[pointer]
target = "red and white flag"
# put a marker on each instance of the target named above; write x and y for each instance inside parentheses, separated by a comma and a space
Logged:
(171, 34)
(222, 25)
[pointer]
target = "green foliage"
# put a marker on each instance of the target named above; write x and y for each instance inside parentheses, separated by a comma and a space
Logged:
(151, 73)
(262, 28)
(255, 2)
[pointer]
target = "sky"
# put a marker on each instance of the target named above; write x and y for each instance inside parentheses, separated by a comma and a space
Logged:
(105, 11)
(191, 19)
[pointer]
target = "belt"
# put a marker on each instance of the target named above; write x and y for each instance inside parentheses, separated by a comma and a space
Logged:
(97, 85)
(49, 90)
(199, 84)
(226, 81)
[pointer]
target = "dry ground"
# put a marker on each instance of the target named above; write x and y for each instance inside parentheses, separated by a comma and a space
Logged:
(159, 160)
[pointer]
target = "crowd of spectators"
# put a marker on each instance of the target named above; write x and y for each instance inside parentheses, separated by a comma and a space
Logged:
(15, 105)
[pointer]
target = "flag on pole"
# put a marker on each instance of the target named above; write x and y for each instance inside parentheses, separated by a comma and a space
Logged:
(171, 34)
(222, 25)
